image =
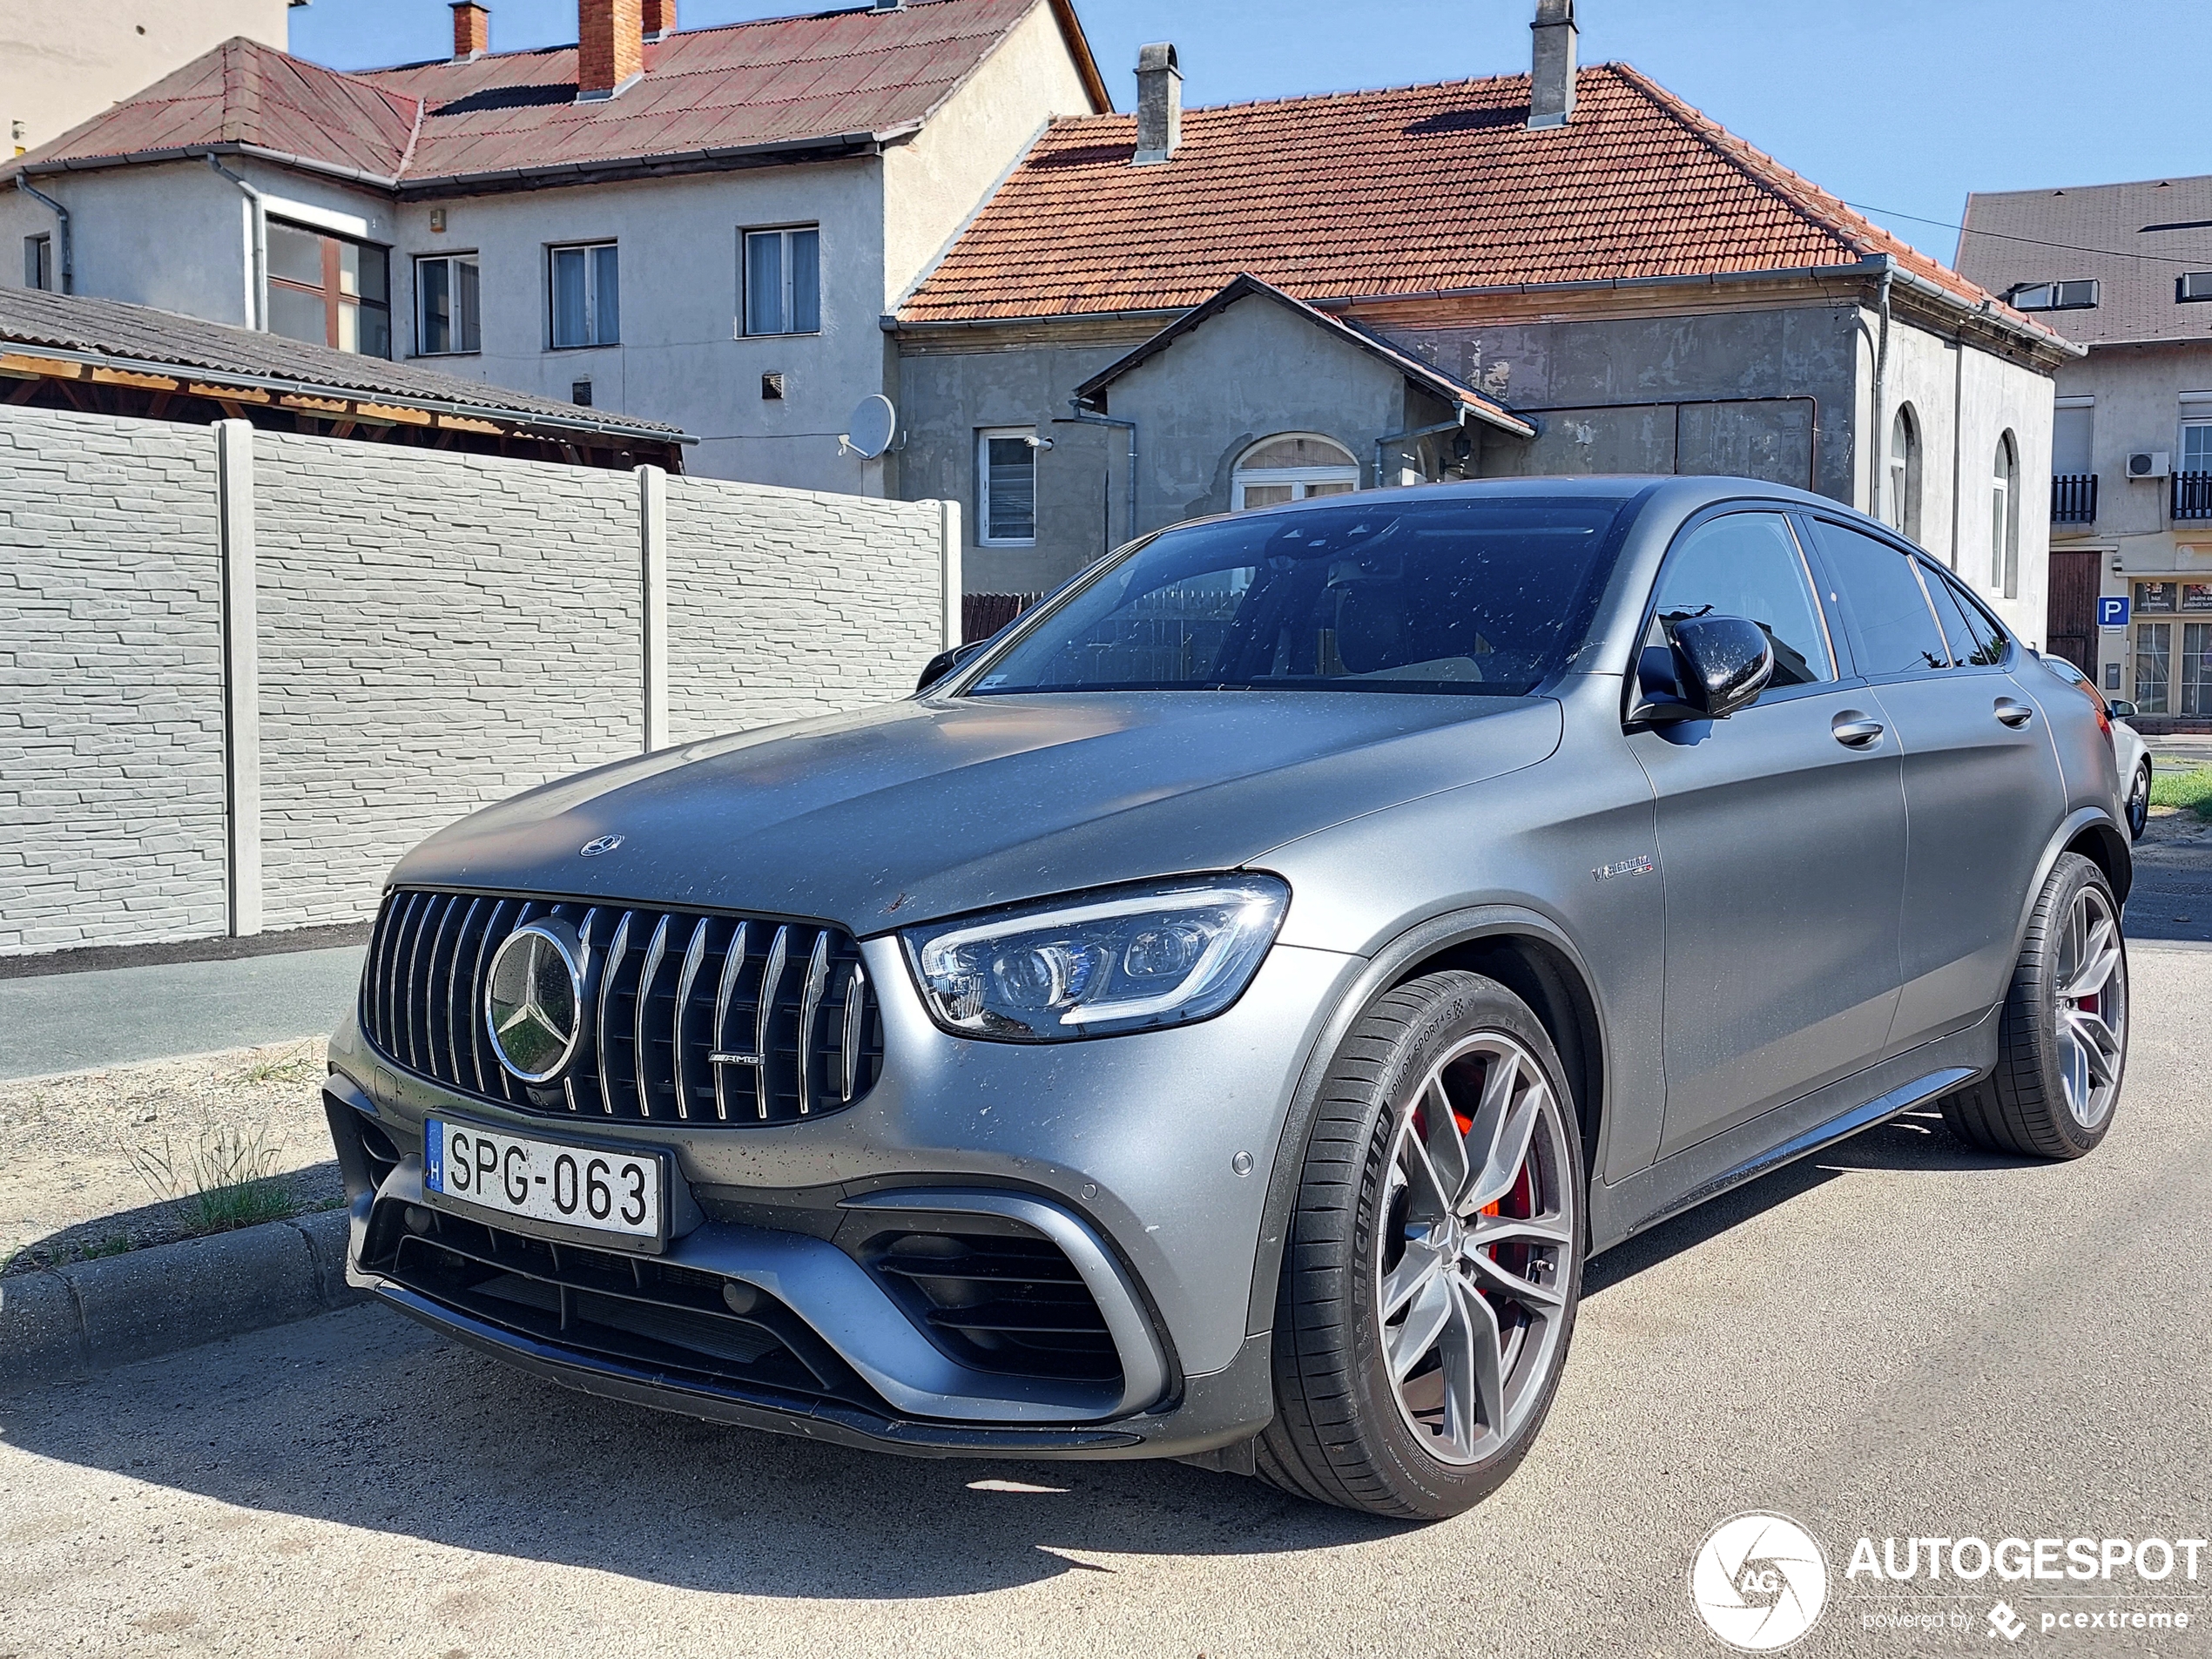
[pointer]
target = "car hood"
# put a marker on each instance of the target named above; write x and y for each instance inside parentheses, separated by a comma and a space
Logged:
(931, 807)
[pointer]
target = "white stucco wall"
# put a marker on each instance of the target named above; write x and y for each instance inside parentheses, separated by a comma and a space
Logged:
(1963, 400)
(61, 64)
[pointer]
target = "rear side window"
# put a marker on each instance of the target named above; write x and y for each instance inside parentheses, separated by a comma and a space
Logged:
(1894, 631)
(1747, 565)
(1976, 640)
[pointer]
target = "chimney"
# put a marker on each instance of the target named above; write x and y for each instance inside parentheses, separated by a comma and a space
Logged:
(610, 47)
(1551, 83)
(1159, 104)
(659, 18)
(471, 30)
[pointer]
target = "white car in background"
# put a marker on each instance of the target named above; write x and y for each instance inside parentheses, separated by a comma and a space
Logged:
(2129, 751)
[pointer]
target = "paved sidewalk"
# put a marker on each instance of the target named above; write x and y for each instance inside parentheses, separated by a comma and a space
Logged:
(114, 1016)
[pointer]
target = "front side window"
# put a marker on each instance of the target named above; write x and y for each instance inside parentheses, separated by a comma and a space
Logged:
(329, 290)
(783, 281)
(448, 316)
(1482, 598)
(1006, 470)
(1747, 565)
(587, 295)
(2196, 446)
(1293, 468)
(1895, 631)
(38, 262)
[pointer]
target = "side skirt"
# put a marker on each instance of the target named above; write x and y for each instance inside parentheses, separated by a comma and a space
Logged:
(1788, 1133)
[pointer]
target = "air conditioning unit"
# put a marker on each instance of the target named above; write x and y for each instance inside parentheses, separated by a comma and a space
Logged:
(2149, 463)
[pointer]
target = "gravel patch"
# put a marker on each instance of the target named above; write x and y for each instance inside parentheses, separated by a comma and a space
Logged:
(67, 1143)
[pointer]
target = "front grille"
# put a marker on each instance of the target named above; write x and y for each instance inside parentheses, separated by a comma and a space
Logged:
(726, 1019)
(1014, 1305)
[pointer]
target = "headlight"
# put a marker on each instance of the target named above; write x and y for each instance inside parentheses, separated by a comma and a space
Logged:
(1122, 960)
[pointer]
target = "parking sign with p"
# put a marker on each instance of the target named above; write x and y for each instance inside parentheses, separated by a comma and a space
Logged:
(2113, 613)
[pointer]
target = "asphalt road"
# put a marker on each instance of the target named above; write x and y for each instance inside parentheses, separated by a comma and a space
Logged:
(1899, 1338)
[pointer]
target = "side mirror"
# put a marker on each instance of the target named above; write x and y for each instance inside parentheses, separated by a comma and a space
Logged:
(1721, 664)
(2121, 709)
(945, 662)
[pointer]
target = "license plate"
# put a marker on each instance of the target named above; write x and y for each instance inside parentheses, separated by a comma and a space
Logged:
(587, 1187)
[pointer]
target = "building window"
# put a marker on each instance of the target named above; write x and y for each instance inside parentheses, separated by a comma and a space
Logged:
(2055, 296)
(2193, 286)
(329, 290)
(1901, 506)
(2196, 446)
(447, 315)
(587, 295)
(1294, 467)
(2004, 520)
(2169, 684)
(1006, 471)
(38, 262)
(783, 281)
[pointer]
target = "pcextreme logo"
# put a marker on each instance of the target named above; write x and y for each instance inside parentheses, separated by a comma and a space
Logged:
(1759, 1582)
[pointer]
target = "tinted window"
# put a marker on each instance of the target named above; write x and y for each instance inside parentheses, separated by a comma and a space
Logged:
(1747, 565)
(1976, 640)
(1484, 595)
(1897, 633)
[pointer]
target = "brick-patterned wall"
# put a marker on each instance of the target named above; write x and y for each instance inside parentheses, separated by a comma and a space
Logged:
(783, 604)
(437, 632)
(112, 784)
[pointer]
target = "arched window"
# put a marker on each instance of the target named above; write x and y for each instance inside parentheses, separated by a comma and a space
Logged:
(1901, 502)
(1293, 467)
(2004, 520)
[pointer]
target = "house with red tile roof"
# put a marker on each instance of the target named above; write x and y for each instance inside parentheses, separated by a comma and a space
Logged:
(1175, 311)
(701, 227)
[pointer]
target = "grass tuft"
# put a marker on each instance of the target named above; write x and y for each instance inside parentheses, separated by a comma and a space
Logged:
(2190, 791)
(227, 1180)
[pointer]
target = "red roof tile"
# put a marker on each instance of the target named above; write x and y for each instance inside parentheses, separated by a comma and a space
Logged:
(785, 80)
(1411, 191)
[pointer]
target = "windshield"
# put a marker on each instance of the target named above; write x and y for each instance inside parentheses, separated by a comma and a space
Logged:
(1481, 596)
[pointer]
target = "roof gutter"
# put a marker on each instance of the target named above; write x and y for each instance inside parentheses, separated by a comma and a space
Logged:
(69, 242)
(200, 372)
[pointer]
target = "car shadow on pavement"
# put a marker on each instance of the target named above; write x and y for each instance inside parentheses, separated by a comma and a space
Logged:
(364, 1419)
(1911, 1141)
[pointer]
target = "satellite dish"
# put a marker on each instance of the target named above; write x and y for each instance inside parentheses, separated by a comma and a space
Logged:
(873, 425)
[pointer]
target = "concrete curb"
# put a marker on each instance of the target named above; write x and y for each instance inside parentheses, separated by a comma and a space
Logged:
(72, 1321)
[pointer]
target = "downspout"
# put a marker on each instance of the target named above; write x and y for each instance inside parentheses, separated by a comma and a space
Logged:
(260, 317)
(1881, 369)
(69, 244)
(1382, 445)
(1088, 417)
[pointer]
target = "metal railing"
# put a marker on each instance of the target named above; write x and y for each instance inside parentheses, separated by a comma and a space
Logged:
(2192, 495)
(2073, 498)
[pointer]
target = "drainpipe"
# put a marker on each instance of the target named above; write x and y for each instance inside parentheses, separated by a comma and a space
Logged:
(1088, 417)
(1384, 445)
(260, 317)
(1881, 368)
(68, 244)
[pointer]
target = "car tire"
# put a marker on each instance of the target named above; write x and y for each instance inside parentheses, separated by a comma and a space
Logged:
(1387, 1244)
(2062, 1035)
(2139, 801)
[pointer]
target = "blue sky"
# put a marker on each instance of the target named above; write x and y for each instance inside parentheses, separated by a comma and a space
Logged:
(1900, 108)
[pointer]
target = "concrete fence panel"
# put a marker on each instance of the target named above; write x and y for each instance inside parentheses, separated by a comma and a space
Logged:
(111, 727)
(242, 671)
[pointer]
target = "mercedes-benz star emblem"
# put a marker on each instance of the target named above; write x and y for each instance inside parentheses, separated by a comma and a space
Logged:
(604, 844)
(534, 999)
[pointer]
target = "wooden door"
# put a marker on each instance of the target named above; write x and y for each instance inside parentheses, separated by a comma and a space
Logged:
(2070, 629)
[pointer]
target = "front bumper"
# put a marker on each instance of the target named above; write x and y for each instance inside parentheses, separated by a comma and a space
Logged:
(1121, 1156)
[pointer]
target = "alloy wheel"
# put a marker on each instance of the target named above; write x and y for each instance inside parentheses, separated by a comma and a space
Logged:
(1481, 1215)
(2139, 800)
(2093, 1007)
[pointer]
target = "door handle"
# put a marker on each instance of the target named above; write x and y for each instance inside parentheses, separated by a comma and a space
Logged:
(1854, 731)
(2014, 714)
